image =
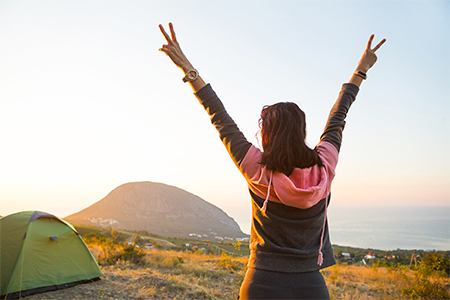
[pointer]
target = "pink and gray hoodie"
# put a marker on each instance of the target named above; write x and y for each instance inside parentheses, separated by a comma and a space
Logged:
(289, 230)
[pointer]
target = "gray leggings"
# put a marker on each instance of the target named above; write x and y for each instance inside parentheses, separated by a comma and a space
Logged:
(259, 284)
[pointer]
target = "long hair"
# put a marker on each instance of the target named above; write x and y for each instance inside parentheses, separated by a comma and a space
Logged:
(283, 131)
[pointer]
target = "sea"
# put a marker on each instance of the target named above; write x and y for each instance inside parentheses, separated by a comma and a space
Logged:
(390, 228)
(386, 228)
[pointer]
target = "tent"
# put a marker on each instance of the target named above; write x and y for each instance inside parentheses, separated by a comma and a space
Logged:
(41, 252)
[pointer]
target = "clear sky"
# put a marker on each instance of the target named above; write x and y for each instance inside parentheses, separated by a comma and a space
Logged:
(87, 102)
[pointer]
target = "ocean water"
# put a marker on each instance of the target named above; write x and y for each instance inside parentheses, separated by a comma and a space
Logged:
(389, 228)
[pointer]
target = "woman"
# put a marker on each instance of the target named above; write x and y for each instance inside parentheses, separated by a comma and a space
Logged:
(289, 184)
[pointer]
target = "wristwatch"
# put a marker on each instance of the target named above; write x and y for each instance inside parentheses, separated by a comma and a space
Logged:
(191, 75)
(361, 74)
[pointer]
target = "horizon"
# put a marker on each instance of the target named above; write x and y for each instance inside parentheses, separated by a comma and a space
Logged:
(88, 103)
(342, 220)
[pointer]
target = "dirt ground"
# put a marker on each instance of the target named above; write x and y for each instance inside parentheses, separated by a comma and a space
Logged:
(131, 284)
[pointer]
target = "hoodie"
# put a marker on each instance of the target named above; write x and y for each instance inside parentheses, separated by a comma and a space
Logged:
(289, 231)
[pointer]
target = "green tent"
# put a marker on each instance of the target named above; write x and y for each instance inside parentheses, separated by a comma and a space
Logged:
(41, 252)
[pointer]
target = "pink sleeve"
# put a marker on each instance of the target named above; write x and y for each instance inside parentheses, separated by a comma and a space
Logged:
(329, 156)
(250, 167)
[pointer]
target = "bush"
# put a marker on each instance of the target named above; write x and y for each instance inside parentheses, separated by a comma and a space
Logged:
(122, 252)
(97, 238)
(383, 263)
(434, 264)
(422, 288)
(227, 262)
(113, 251)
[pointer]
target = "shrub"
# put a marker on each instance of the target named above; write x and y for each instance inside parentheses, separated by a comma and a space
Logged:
(228, 262)
(97, 238)
(122, 252)
(434, 264)
(383, 263)
(422, 288)
(113, 251)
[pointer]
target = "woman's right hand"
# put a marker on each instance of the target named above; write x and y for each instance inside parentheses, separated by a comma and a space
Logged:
(369, 58)
(173, 49)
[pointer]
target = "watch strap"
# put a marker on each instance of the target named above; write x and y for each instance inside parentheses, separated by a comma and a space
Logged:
(361, 74)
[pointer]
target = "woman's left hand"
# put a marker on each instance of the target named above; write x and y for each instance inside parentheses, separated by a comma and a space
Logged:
(173, 49)
(369, 58)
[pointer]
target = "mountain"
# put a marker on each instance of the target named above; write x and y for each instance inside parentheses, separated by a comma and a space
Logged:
(158, 208)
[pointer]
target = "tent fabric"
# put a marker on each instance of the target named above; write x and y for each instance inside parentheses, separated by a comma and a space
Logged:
(39, 251)
(43, 289)
(40, 214)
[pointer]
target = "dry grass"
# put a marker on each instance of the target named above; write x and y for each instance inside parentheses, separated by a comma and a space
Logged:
(200, 276)
(355, 282)
(168, 274)
(208, 276)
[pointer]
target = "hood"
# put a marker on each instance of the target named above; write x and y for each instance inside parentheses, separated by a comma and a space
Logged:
(302, 189)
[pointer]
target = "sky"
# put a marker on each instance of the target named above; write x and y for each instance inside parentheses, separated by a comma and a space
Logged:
(87, 102)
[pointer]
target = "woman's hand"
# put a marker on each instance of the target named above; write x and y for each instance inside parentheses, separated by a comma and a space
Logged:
(173, 49)
(369, 58)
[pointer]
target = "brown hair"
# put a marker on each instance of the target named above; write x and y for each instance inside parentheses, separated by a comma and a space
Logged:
(283, 131)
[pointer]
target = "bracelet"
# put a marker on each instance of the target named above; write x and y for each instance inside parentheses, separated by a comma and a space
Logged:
(190, 77)
(361, 74)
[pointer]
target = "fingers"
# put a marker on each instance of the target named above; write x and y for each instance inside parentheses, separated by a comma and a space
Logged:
(172, 32)
(164, 48)
(168, 39)
(379, 45)
(369, 43)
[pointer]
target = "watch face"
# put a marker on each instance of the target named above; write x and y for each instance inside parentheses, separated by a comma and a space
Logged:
(191, 75)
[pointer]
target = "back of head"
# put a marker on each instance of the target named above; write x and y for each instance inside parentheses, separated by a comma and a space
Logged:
(283, 131)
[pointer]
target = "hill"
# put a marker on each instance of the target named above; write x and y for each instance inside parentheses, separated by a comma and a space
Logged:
(171, 274)
(158, 208)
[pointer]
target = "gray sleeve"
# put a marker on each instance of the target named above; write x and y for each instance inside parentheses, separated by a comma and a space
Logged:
(336, 119)
(233, 139)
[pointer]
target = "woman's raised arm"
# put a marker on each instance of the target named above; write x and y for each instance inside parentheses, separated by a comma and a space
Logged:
(173, 50)
(233, 139)
(336, 119)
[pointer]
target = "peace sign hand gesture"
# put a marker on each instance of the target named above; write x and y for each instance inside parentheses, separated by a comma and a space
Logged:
(173, 49)
(369, 58)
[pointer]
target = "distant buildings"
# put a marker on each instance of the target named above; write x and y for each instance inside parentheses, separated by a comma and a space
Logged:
(346, 255)
(103, 222)
(242, 239)
(220, 238)
(369, 256)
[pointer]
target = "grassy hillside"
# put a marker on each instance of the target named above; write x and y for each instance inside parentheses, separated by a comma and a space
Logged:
(171, 270)
(382, 257)
(170, 274)
(213, 247)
